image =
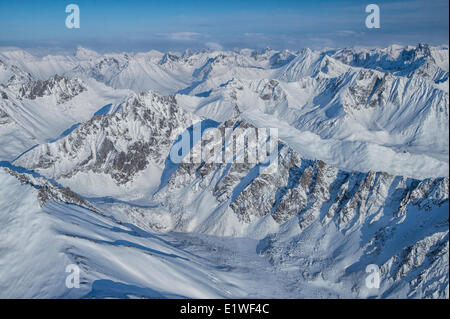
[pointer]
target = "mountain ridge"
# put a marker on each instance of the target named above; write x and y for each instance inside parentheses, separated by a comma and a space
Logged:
(358, 173)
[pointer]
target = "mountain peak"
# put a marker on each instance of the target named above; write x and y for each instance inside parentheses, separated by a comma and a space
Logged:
(85, 54)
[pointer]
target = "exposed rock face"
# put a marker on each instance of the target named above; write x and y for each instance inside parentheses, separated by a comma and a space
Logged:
(272, 91)
(309, 197)
(4, 118)
(168, 57)
(48, 191)
(63, 88)
(107, 67)
(316, 197)
(424, 259)
(407, 61)
(308, 189)
(120, 144)
(324, 222)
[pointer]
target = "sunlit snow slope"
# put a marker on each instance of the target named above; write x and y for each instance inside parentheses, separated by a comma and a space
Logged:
(361, 176)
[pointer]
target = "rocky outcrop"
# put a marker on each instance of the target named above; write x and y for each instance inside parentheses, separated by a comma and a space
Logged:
(119, 144)
(63, 88)
(49, 191)
(4, 118)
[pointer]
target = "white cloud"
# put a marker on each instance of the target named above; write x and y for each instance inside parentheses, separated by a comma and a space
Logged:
(184, 36)
(346, 33)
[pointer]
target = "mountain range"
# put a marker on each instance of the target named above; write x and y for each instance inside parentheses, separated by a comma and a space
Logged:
(360, 177)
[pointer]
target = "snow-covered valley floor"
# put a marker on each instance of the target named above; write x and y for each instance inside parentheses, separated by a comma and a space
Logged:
(117, 259)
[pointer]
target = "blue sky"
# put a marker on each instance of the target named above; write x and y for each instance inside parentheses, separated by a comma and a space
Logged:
(175, 25)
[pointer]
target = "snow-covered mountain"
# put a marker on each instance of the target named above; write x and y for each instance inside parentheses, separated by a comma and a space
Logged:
(114, 149)
(45, 228)
(360, 177)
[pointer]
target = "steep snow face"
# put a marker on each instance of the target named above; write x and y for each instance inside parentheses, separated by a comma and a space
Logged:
(318, 226)
(422, 60)
(115, 148)
(40, 68)
(7, 71)
(309, 213)
(46, 228)
(296, 187)
(25, 243)
(35, 111)
(381, 109)
(312, 64)
(361, 175)
(370, 114)
(140, 72)
(390, 103)
(396, 125)
(374, 217)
